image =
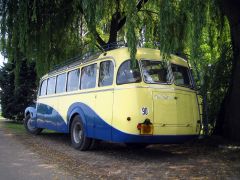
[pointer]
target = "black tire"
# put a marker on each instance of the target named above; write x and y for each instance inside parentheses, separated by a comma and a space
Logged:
(136, 145)
(78, 135)
(30, 129)
(94, 144)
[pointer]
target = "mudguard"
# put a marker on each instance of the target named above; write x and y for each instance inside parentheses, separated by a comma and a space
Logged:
(33, 115)
(79, 109)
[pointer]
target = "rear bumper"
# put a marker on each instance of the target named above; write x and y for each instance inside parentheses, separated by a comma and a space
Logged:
(151, 139)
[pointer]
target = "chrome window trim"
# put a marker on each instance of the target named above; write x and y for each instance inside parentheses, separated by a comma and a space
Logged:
(116, 89)
(75, 92)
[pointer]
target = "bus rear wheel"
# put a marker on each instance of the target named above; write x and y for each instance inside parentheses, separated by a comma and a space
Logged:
(31, 129)
(78, 135)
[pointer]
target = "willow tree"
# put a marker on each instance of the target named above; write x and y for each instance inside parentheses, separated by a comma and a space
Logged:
(48, 32)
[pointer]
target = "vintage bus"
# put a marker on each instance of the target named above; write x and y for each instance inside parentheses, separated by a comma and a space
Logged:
(112, 98)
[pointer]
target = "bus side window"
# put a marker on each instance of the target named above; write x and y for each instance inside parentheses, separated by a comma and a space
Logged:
(181, 75)
(61, 82)
(51, 85)
(106, 73)
(126, 74)
(73, 80)
(43, 88)
(88, 76)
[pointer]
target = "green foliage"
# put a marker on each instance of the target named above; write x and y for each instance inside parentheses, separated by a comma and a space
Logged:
(49, 32)
(217, 82)
(46, 32)
(17, 93)
(7, 90)
(132, 20)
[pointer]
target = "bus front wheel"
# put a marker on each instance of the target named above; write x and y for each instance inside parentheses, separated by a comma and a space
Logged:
(78, 135)
(31, 129)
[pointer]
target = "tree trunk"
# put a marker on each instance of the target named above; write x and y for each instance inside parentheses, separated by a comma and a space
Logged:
(232, 106)
(117, 22)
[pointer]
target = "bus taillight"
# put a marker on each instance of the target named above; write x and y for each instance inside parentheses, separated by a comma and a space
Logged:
(146, 127)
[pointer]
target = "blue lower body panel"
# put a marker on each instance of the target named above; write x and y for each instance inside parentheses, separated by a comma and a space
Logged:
(97, 128)
(118, 136)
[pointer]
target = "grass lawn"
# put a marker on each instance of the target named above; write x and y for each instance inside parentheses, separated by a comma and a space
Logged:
(14, 126)
(18, 127)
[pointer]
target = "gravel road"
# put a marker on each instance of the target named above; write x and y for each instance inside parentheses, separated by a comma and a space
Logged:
(17, 162)
(195, 160)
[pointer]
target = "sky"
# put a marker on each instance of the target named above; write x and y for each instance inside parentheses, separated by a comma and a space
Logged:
(1, 60)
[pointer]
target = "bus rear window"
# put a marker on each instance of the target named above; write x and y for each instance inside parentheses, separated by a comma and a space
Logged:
(128, 74)
(181, 75)
(154, 71)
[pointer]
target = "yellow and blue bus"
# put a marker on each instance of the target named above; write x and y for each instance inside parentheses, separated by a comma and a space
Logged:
(111, 98)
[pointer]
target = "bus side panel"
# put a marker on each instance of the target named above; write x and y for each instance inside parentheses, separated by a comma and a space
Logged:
(90, 106)
(85, 115)
(48, 116)
(95, 126)
(103, 109)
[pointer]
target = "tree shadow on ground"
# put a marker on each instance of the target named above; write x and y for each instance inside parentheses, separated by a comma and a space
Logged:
(156, 151)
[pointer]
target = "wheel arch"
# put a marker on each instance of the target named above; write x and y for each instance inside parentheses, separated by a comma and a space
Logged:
(75, 110)
(71, 120)
(32, 111)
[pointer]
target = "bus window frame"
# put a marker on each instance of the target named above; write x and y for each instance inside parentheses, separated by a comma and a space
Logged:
(96, 61)
(80, 76)
(98, 73)
(66, 84)
(170, 74)
(40, 87)
(129, 82)
(190, 86)
(54, 86)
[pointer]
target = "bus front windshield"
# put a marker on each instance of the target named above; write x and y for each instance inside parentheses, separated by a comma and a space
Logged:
(154, 72)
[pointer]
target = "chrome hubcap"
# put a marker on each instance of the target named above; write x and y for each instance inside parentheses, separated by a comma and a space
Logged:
(77, 133)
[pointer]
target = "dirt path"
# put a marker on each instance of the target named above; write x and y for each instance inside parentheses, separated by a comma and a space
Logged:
(19, 163)
(199, 160)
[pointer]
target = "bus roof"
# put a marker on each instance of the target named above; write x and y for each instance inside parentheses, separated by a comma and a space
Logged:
(119, 55)
(123, 54)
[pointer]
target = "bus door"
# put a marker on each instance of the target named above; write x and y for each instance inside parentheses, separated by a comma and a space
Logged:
(46, 106)
(104, 100)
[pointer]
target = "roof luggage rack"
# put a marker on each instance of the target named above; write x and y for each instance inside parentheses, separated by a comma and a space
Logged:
(90, 55)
